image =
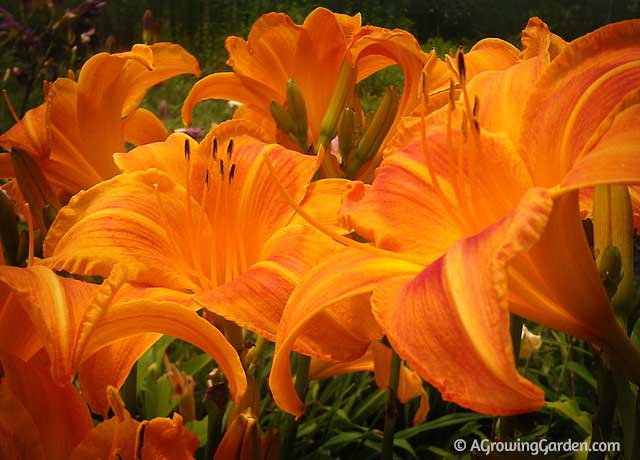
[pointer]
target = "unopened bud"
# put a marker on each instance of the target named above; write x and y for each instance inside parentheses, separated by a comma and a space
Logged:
(375, 132)
(298, 112)
(613, 226)
(344, 88)
(241, 440)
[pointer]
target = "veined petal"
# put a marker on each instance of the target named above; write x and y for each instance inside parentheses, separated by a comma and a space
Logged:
(222, 85)
(58, 412)
(129, 318)
(18, 336)
(451, 313)
(29, 134)
(488, 54)
(576, 92)
(474, 189)
(537, 39)
(110, 366)
(574, 301)
(395, 47)
(68, 167)
(168, 60)
(320, 45)
(323, 201)
(138, 220)
(55, 306)
(143, 127)
(166, 156)
(611, 155)
(256, 299)
(503, 94)
(349, 274)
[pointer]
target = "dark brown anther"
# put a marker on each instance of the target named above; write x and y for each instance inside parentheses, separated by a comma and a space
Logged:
(232, 172)
(214, 149)
(187, 150)
(206, 178)
(221, 167)
(140, 440)
(476, 106)
(462, 72)
(230, 148)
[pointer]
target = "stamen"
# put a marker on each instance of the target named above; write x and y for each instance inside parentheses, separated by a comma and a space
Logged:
(232, 172)
(221, 167)
(31, 233)
(206, 178)
(462, 69)
(424, 95)
(230, 148)
(115, 402)
(187, 150)
(324, 229)
(71, 74)
(14, 115)
(45, 88)
(214, 149)
(140, 439)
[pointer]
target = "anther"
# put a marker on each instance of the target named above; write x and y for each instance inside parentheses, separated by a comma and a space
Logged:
(206, 178)
(232, 172)
(476, 104)
(230, 148)
(462, 72)
(140, 440)
(221, 167)
(214, 150)
(187, 150)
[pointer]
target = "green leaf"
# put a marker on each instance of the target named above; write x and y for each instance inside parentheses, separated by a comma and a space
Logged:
(570, 409)
(442, 422)
(583, 373)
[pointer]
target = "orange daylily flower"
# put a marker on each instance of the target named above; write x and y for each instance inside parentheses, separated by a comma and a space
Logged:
(208, 219)
(472, 225)
(100, 331)
(278, 50)
(74, 134)
(41, 419)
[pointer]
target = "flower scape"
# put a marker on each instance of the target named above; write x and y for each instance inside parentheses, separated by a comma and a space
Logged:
(315, 280)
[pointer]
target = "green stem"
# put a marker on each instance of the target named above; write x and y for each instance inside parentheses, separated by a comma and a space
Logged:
(290, 425)
(393, 408)
(603, 418)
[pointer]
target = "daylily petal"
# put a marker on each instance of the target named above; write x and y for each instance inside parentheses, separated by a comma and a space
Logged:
(503, 94)
(29, 134)
(398, 47)
(167, 156)
(169, 60)
(125, 319)
(571, 300)
(18, 336)
(19, 437)
(537, 39)
(576, 92)
(256, 299)
(223, 85)
(323, 202)
(55, 306)
(111, 366)
(143, 127)
(130, 220)
(396, 211)
(488, 54)
(611, 157)
(450, 314)
(59, 413)
(320, 45)
(344, 276)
